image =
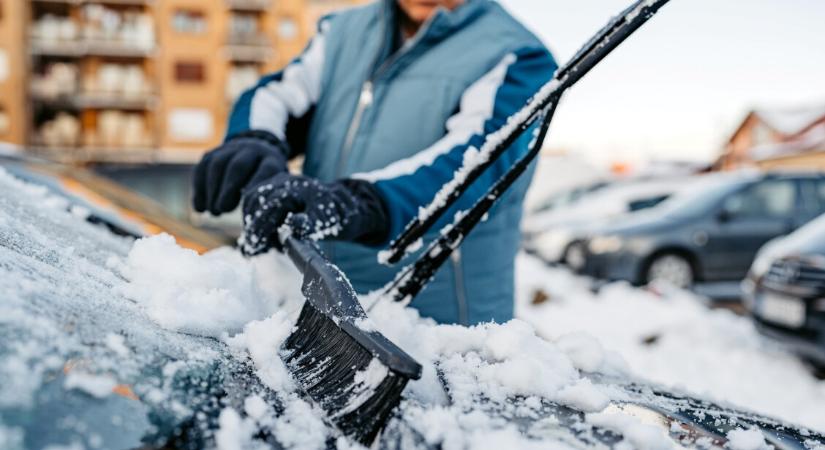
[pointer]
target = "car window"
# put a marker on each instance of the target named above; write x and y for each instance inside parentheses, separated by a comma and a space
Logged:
(645, 203)
(771, 198)
(704, 194)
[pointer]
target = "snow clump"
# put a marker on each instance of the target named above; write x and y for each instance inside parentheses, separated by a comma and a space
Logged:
(207, 295)
(750, 439)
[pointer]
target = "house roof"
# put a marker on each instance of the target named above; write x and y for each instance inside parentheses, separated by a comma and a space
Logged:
(811, 140)
(790, 121)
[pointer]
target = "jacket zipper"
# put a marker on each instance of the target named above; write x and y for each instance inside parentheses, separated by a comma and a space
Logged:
(364, 102)
(460, 295)
(366, 98)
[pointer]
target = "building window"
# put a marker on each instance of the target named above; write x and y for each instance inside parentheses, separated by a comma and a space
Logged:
(190, 72)
(190, 124)
(4, 66)
(242, 24)
(189, 22)
(287, 29)
(5, 122)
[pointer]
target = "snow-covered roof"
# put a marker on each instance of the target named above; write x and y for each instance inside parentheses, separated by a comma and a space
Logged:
(811, 140)
(790, 121)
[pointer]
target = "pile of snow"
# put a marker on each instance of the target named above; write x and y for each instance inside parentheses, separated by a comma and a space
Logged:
(727, 360)
(95, 385)
(207, 295)
(750, 439)
(215, 293)
(675, 340)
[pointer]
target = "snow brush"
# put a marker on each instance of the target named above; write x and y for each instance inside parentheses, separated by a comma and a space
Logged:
(538, 110)
(354, 373)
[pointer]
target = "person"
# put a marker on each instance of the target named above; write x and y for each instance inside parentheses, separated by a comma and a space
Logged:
(383, 104)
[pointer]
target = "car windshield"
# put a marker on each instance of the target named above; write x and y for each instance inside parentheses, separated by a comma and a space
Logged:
(808, 238)
(703, 194)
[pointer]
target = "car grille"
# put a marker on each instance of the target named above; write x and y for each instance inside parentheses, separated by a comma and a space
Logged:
(797, 273)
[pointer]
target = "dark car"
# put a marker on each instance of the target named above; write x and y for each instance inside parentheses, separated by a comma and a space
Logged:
(785, 291)
(83, 367)
(708, 233)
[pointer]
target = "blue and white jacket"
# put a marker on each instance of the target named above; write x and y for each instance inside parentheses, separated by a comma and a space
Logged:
(358, 103)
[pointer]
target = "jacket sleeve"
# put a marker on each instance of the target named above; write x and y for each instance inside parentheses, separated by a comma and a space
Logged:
(281, 103)
(409, 184)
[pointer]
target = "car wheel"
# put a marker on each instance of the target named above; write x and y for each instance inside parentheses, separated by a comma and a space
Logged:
(575, 256)
(669, 268)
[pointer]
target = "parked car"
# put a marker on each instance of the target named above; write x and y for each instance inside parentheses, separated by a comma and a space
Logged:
(708, 233)
(549, 232)
(785, 291)
(569, 196)
(84, 367)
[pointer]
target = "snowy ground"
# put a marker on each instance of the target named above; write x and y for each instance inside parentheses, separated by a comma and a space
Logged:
(674, 340)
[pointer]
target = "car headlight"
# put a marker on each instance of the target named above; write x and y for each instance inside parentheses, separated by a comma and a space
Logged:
(605, 244)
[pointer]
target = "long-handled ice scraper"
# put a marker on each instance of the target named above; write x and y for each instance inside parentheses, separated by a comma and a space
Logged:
(355, 374)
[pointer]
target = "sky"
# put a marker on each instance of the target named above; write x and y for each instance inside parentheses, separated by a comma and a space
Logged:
(680, 85)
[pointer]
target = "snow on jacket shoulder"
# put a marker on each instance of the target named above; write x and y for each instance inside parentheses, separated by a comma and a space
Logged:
(402, 116)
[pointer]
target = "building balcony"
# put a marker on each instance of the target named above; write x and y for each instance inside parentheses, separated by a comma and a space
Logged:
(100, 2)
(97, 154)
(253, 48)
(248, 5)
(98, 100)
(86, 47)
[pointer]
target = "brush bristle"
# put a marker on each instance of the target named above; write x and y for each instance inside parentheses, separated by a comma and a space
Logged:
(324, 359)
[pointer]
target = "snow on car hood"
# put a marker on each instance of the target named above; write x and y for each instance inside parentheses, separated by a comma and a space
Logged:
(163, 335)
(222, 295)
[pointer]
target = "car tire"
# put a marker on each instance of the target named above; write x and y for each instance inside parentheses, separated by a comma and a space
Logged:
(670, 268)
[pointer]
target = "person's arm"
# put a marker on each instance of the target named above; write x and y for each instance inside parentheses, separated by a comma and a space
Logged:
(267, 126)
(408, 184)
(284, 99)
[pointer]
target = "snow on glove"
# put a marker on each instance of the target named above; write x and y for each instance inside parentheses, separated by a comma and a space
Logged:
(349, 210)
(242, 161)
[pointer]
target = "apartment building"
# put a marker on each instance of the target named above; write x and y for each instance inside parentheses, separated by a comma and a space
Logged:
(138, 81)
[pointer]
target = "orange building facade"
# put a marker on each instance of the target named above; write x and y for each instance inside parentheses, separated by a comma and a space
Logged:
(138, 81)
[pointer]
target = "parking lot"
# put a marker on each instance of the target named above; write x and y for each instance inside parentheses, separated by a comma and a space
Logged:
(675, 338)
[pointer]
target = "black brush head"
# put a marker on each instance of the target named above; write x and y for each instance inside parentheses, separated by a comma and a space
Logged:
(355, 375)
(326, 361)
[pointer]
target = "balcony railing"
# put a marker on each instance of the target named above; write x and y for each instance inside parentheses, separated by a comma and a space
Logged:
(248, 5)
(88, 47)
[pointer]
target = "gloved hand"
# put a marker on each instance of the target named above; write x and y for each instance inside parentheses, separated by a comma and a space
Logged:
(243, 161)
(350, 210)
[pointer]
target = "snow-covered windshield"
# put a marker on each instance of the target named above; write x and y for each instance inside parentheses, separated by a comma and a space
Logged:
(107, 342)
(81, 363)
(809, 238)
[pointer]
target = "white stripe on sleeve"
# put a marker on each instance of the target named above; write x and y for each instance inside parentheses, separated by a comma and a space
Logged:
(292, 95)
(477, 106)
